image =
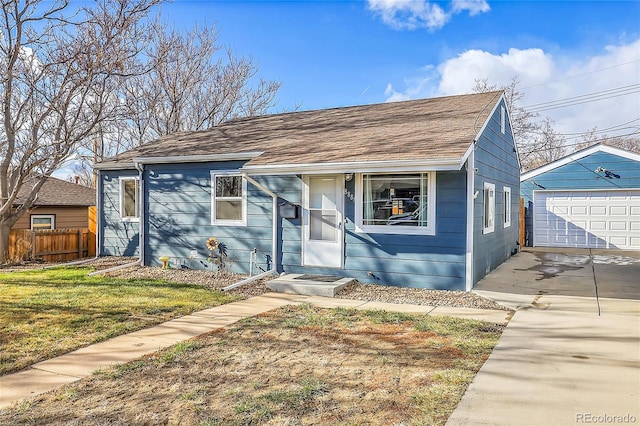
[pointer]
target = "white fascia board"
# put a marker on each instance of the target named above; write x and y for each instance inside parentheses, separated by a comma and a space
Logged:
(493, 110)
(486, 123)
(198, 158)
(115, 166)
(351, 167)
(468, 153)
(577, 156)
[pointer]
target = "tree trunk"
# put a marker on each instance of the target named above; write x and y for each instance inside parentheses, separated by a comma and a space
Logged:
(5, 230)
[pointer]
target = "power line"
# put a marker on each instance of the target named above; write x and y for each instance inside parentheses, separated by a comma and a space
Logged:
(615, 128)
(576, 143)
(582, 99)
(584, 73)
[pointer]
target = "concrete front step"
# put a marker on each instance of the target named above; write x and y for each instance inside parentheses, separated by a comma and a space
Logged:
(309, 285)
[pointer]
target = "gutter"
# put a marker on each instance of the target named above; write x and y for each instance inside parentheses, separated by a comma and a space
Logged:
(357, 167)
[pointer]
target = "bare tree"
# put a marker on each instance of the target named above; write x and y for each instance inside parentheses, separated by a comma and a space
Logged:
(537, 143)
(59, 68)
(193, 84)
(545, 146)
(627, 142)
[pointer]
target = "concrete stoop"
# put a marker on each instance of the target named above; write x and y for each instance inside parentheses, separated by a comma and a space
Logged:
(309, 285)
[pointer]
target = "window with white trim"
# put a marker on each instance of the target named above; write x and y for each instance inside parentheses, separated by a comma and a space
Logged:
(506, 206)
(489, 215)
(130, 199)
(402, 203)
(229, 199)
(503, 120)
(43, 221)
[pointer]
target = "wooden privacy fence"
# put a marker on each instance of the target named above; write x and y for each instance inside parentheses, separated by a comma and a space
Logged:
(52, 245)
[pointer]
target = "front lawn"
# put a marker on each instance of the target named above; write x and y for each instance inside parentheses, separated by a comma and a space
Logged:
(46, 313)
(295, 365)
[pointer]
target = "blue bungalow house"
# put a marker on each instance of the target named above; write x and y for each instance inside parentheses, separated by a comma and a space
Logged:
(421, 193)
(589, 199)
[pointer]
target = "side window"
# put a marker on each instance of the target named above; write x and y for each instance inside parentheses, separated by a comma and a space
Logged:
(130, 199)
(229, 203)
(506, 206)
(503, 120)
(489, 216)
(43, 221)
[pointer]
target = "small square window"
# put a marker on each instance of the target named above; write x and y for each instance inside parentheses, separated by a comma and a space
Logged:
(229, 199)
(41, 222)
(489, 215)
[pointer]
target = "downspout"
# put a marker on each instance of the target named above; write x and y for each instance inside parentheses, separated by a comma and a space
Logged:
(140, 167)
(274, 230)
(471, 172)
(99, 208)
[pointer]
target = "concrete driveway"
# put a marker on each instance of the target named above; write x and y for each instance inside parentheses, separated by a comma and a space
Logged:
(571, 353)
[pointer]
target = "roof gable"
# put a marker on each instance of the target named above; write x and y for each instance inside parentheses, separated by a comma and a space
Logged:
(579, 155)
(436, 129)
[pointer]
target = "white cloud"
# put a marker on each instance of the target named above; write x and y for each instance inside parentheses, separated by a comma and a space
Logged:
(544, 78)
(473, 6)
(414, 14)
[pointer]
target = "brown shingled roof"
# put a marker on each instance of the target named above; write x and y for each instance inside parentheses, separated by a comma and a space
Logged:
(57, 192)
(430, 129)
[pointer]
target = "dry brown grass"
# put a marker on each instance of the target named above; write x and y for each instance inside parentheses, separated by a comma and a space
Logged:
(295, 365)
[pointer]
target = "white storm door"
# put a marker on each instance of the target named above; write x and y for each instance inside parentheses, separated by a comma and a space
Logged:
(322, 235)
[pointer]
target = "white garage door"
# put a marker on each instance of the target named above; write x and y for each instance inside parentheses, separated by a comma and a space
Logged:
(587, 219)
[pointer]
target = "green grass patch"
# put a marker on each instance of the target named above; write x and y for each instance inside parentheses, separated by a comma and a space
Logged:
(45, 313)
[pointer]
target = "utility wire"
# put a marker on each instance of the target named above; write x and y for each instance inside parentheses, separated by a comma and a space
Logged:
(595, 130)
(580, 75)
(593, 142)
(581, 99)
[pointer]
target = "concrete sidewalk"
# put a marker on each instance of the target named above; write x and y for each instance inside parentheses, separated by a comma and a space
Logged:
(71, 367)
(563, 359)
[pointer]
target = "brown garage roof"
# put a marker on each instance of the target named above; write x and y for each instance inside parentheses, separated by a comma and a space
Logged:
(429, 129)
(57, 192)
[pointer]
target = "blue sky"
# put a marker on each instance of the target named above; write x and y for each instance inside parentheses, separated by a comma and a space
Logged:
(337, 53)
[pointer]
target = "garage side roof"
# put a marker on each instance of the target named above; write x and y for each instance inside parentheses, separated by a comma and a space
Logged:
(577, 156)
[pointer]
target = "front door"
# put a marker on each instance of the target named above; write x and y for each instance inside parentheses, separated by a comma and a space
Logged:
(322, 221)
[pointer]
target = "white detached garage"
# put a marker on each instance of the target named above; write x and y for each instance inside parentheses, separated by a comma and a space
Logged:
(590, 199)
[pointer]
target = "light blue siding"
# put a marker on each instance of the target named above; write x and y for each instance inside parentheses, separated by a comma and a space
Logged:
(419, 261)
(117, 237)
(580, 174)
(178, 208)
(496, 162)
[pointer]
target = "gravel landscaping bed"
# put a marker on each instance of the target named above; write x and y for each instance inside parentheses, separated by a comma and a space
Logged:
(357, 291)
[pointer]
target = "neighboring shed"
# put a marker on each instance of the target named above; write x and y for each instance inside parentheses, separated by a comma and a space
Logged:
(589, 199)
(59, 205)
(419, 193)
